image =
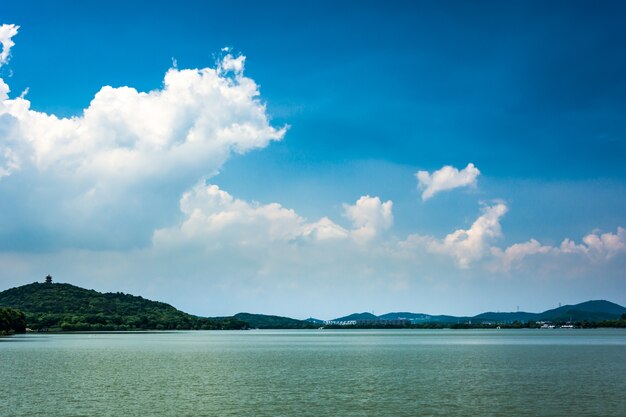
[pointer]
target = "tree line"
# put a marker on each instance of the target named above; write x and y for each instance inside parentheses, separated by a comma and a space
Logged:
(616, 323)
(11, 321)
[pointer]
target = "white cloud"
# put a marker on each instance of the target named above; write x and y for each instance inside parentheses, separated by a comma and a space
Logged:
(472, 244)
(464, 245)
(229, 63)
(128, 156)
(515, 254)
(447, 178)
(214, 217)
(324, 229)
(369, 217)
(271, 241)
(468, 246)
(4, 90)
(6, 34)
(196, 120)
(595, 247)
(598, 247)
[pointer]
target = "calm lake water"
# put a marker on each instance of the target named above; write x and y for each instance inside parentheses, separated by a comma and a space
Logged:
(554, 372)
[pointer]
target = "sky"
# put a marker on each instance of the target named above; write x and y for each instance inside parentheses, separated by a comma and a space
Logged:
(316, 158)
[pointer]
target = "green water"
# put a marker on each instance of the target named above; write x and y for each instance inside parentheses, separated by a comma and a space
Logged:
(316, 373)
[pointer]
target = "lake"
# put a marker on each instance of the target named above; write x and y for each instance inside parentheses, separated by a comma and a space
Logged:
(555, 372)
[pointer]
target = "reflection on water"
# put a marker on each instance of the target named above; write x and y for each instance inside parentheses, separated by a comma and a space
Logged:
(315, 373)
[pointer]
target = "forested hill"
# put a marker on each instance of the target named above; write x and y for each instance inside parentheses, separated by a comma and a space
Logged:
(590, 311)
(68, 307)
(262, 321)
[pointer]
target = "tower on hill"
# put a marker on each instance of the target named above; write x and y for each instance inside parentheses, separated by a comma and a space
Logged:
(48, 279)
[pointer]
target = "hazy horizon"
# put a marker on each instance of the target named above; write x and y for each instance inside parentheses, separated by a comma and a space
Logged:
(316, 158)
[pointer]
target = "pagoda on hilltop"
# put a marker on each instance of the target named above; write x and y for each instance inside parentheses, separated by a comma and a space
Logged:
(48, 279)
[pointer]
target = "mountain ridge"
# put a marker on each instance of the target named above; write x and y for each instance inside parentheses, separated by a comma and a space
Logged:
(265, 321)
(592, 310)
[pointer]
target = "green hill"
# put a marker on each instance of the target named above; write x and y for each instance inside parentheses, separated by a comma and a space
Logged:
(262, 321)
(68, 307)
(520, 316)
(358, 317)
(594, 310)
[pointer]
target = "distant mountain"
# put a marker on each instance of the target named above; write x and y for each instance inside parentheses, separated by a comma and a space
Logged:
(262, 321)
(598, 310)
(68, 307)
(444, 319)
(421, 318)
(358, 317)
(507, 317)
(595, 310)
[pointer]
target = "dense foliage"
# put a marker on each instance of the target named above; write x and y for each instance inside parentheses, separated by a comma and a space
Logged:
(67, 307)
(621, 322)
(11, 321)
(261, 321)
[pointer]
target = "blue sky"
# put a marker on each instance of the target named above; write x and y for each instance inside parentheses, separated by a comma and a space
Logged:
(349, 100)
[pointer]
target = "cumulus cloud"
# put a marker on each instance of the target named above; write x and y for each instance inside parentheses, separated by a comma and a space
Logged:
(369, 217)
(6, 34)
(464, 245)
(446, 178)
(230, 63)
(595, 247)
(470, 245)
(129, 155)
(195, 120)
(513, 255)
(214, 217)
